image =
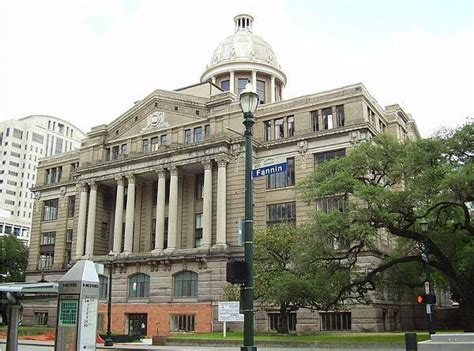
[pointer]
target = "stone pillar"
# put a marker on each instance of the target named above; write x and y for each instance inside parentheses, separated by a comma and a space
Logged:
(118, 219)
(272, 89)
(254, 80)
(173, 210)
(221, 239)
(213, 80)
(129, 215)
(91, 219)
(231, 82)
(207, 206)
(81, 225)
(160, 211)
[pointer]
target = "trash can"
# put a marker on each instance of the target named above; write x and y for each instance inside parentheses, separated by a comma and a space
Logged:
(410, 342)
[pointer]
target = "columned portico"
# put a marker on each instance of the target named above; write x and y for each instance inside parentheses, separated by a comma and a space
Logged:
(117, 245)
(160, 211)
(221, 216)
(173, 210)
(81, 224)
(129, 216)
(207, 205)
(91, 219)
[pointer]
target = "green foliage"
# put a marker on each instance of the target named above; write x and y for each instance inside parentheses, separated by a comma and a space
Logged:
(13, 259)
(390, 186)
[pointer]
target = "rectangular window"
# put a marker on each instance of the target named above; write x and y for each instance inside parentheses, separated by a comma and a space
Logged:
(154, 144)
(261, 91)
(182, 323)
(41, 318)
(53, 175)
(327, 118)
(46, 260)
(279, 129)
(37, 138)
(340, 116)
(17, 133)
(274, 320)
(241, 83)
(197, 134)
(283, 179)
(290, 121)
(71, 205)
(187, 136)
(225, 85)
(335, 321)
(104, 231)
(207, 130)
(115, 152)
(198, 229)
(15, 154)
(50, 210)
(59, 146)
(14, 164)
(124, 149)
(48, 238)
(199, 186)
(322, 157)
(74, 168)
(69, 235)
(146, 145)
(164, 139)
(268, 130)
(330, 204)
(284, 212)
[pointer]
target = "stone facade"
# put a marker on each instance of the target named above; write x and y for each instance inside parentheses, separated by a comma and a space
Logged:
(162, 187)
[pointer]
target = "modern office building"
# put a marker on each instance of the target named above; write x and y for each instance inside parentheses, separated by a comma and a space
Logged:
(22, 143)
(162, 187)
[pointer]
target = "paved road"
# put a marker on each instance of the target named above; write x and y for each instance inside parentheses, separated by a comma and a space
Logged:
(187, 348)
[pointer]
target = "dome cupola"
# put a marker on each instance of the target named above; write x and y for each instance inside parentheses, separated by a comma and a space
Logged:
(244, 57)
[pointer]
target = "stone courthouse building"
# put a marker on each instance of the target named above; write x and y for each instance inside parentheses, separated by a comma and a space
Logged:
(162, 186)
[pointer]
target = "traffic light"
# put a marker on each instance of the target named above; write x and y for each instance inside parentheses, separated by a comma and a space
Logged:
(237, 272)
(424, 299)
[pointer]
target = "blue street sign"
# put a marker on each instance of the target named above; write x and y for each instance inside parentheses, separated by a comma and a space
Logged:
(263, 171)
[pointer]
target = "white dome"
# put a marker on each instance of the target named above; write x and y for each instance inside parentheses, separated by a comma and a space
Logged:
(246, 46)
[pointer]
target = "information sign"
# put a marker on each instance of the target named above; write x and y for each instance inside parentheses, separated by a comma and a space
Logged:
(268, 166)
(229, 312)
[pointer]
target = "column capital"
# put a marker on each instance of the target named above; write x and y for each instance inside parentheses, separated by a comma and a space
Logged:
(207, 164)
(222, 161)
(93, 185)
(119, 180)
(161, 172)
(131, 178)
(174, 171)
(81, 187)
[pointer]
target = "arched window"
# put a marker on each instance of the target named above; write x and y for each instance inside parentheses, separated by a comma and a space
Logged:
(186, 284)
(139, 286)
(103, 286)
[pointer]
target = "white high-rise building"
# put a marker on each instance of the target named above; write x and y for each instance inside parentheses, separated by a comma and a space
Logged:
(22, 143)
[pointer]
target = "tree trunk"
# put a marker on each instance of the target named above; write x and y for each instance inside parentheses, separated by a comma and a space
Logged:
(467, 312)
(283, 320)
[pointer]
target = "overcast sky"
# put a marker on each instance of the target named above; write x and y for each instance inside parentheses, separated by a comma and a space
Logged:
(87, 61)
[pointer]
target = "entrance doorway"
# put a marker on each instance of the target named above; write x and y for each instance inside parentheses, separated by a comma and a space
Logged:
(137, 324)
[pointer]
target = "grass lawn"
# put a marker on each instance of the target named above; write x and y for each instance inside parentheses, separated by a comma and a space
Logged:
(323, 337)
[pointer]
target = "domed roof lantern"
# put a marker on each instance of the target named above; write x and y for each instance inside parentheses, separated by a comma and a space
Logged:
(243, 22)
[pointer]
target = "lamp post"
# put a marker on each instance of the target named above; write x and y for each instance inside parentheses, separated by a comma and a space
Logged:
(248, 104)
(426, 263)
(108, 339)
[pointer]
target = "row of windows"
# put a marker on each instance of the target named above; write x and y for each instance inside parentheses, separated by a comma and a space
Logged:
(47, 247)
(153, 143)
(185, 285)
(279, 128)
(7, 228)
(196, 135)
(329, 321)
(114, 152)
(53, 175)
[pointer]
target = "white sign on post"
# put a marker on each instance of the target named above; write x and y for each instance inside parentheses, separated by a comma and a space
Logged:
(228, 312)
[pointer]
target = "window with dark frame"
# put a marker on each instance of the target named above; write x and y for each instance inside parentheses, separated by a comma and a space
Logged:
(241, 83)
(103, 286)
(71, 205)
(164, 139)
(225, 85)
(268, 130)
(261, 91)
(315, 120)
(139, 286)
(197, 134)
(340, 119)
(327, 118)
(322, 157)
(146, 145)
(282, 212)
(185, 284)
(197, 229)
(335, 321)
(154, 143)
(50, 210)
(199, 186)
(290, 122)
(187, 136)
(279, 128)
(182, 323)
(274, 321)
(283, 179)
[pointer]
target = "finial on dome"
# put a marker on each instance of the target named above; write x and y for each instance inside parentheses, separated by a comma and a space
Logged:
(243, 22)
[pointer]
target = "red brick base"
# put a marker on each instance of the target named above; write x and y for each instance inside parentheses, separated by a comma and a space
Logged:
(158, 319)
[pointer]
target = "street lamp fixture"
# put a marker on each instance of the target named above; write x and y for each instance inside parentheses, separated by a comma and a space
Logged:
(428, 282)
(108, 339)
(248, 103)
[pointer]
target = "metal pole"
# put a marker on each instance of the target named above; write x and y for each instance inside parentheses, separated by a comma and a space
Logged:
(108, 339)
(247, 293)
(428, 291)
(12, 333)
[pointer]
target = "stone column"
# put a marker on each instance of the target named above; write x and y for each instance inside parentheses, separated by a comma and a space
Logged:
(129, 215)
(231, 82)
(91, 219)
(207, 205)
(160, 211)
(254, 80)
(118, 220)
(272, 89)
(221, 239)
(173, 210)
(213, 79)
(81, 225)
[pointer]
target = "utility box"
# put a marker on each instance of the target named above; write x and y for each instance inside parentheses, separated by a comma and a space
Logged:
(78, 294)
